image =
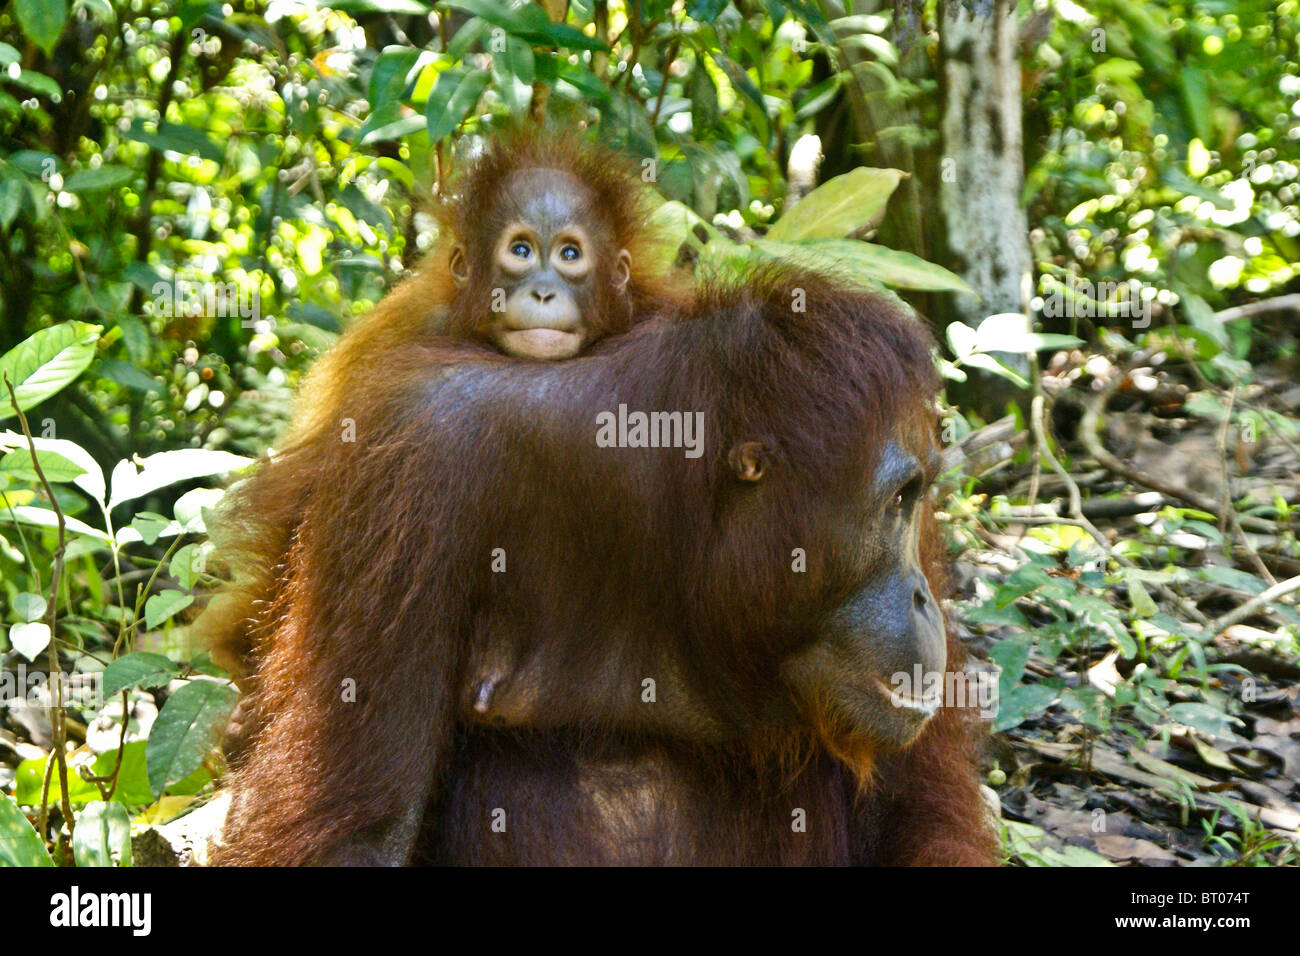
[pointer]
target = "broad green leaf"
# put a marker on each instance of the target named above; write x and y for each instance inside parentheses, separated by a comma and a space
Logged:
(388, 78)
(92, 180)
(128, 375)
(1010, 332)
(45, 518)
(961, 339)
(513, 72)
(12, 193)
(405, 7)
(54, 466)
(187, 729)
(891, 267)
(1205, 718)
(1024, 580)
(704, 100)
(167, 468)
(30, 607)
(43, 21)
(138, 669)
(990, 364)
(454, 96)
(45, 362)
(186, 565)
(528, 22)
(20, 844)
(37, 83)
(176, 138)
(1138, 597)
(389, 122)
(30, 775)
(29, 638)
(1023, 702)
(164, 606)
(103, 829)
(150, 525)
(91, 481)
(1011, 655)
(839, 206)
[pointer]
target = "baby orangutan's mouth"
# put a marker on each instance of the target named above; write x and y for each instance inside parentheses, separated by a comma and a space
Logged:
(541, 343)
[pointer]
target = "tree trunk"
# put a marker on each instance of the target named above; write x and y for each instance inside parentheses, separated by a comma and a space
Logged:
(982, 170)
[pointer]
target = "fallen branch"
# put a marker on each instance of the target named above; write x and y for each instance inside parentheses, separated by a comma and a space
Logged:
(1254, 605)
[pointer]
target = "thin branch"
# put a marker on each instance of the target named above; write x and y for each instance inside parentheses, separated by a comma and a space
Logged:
(58, 730)
(1281, 303)
(1076, 512)
(1254, 605)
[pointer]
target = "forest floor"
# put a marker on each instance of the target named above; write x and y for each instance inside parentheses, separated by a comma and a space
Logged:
(1136, 595)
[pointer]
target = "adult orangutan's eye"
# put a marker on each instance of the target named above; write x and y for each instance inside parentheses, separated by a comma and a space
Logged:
(908, 495)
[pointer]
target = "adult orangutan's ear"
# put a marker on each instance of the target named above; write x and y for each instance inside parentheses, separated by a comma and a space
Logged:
(458, 264)
(748, 459)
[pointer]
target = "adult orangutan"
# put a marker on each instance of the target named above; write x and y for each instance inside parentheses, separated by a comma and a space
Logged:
(543, 251)
(495, 641)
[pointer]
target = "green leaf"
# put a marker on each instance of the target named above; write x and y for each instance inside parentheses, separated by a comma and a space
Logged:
(388, 78)
(1010, 332)
(513, 72)
(38, 83)
(176, 138)
(186, 564)
(187, 729)
(961, 339)
(454, 95)
(93, 180)
(12, 193)
(54, 466)
(164, 606)
(405, 7)
(1023, 580)
(30, 607)
(1024, 702)
(1205, 718)
(839, 206)
(91, 481)
(901, 270)
(20, 845)
(138, 669)
(389, 122)
(704, 100)
(1011, 655)
(528, 22)
(997, 367)
(45, 362)
(133, 788)
(168, 468)
(43, 21)
(102, 829)
(29, 638)
(1138, 597)
(150, 526)
(128, 375)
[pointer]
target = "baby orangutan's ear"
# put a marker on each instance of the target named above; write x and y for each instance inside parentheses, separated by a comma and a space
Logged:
(622, 269)
(458, 265)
